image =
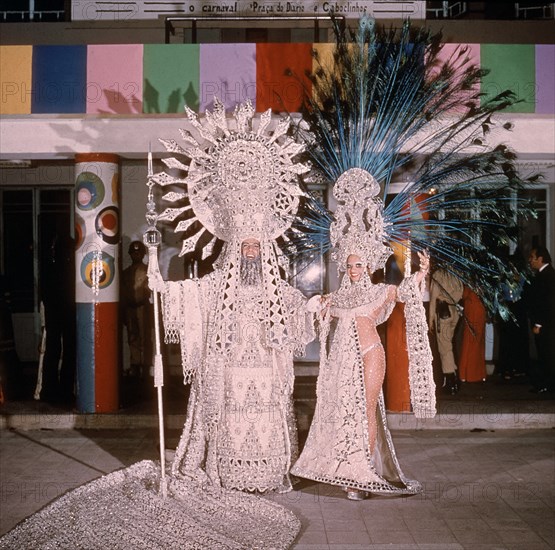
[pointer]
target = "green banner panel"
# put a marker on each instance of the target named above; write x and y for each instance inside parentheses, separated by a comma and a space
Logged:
(511, 66)
(171, 77)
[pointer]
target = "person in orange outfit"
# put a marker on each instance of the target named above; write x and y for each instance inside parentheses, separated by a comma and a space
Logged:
(472, 361)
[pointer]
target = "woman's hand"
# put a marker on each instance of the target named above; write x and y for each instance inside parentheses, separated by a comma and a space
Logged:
(325, 303)
(424, 265)
(319, 303)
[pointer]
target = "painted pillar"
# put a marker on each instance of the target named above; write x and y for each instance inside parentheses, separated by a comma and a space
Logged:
(97, 236)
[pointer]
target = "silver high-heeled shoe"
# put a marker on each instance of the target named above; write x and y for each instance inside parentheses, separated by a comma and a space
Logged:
(355, 494)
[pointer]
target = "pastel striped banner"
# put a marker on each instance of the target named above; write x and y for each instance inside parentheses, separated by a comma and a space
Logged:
(274, 89)
(162, 78)
(467, 52)
(511, 66)
(59, 79)
(170, 77)
(227, 71)
(545, 78)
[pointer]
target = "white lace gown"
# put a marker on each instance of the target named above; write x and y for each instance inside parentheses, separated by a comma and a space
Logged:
(338, 450)
(240, 428)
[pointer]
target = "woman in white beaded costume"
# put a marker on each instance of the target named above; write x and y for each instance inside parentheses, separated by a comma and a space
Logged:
(349, 443)
(382, 105)
(240, 326)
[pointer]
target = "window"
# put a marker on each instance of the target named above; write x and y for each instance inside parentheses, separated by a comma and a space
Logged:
(14, 11)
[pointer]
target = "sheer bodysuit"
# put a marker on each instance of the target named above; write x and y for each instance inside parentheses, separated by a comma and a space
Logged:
(373, 357)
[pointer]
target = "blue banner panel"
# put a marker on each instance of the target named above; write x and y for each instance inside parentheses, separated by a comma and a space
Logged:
(59, 79)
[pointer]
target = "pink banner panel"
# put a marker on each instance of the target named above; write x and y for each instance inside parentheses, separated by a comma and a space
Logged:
(545, 78)
(229, 72)
(115, 79)
(463, 56)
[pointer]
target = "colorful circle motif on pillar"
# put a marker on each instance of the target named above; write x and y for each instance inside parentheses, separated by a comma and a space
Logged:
(89, 191)
(98, 269)
(106, 224)
(97, 281)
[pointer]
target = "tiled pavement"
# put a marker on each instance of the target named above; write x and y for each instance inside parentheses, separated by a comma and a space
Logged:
(486, 486)
(482, 489)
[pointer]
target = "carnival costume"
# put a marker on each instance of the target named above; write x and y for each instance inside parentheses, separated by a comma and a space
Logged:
(381, 103)
(237, 343)
(238, 339)
(349, 443)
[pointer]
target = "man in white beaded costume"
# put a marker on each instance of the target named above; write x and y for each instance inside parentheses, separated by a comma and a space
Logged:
(349, 443)
(240, 326)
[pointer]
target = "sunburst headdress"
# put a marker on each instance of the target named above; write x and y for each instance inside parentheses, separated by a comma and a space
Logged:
(241, 181)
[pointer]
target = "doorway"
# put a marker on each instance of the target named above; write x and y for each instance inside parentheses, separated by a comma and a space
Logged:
(31, 219)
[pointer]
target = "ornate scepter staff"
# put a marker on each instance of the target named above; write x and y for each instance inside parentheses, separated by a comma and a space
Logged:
(152, 239)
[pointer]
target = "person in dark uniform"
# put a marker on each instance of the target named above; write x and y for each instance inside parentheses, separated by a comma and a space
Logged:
(513, 359)
(57, 290)
(135, 302)
(540, 300)
(11, 380)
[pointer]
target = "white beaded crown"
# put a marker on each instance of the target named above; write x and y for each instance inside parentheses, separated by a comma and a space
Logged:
(359, 226)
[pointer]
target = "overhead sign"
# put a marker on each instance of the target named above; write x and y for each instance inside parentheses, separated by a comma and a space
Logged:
(102, 10)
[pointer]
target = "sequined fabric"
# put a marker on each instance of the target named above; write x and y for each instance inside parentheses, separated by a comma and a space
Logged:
(421, 374)
(359, 227)
(240, 427)
(348, 444)
(241, 179)
(124, 510)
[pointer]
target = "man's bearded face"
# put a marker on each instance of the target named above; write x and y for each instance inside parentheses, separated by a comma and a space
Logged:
(251, 265)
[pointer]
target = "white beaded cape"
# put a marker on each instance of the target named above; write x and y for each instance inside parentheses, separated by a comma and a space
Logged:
(125, 510)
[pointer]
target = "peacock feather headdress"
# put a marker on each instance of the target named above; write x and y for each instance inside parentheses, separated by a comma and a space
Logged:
(387, 103)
